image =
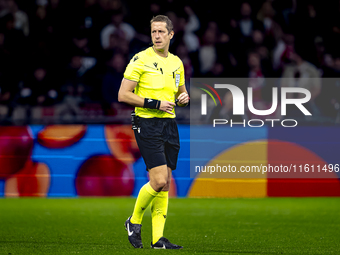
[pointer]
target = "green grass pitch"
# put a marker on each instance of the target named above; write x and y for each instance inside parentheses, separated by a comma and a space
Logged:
(202, 226)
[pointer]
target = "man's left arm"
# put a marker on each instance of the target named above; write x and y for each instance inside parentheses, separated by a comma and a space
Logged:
(182, 96)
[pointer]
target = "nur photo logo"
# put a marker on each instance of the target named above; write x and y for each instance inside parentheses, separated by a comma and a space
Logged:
(281, 99)
(204, 97)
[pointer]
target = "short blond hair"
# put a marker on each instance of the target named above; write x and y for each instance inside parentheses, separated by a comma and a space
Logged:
(165, 19)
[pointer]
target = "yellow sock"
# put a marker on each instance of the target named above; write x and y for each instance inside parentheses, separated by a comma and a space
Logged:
(145, 197)
(159, 209)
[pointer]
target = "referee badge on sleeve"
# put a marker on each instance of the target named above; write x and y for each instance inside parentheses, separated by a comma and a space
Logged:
(178, 77)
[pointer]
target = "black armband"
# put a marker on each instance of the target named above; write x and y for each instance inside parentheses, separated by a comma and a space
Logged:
(151, 103)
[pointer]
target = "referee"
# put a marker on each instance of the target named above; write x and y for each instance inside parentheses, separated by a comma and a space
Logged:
(154, 82)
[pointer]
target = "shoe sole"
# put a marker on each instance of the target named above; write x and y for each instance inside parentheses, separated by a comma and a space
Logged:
(161, 248)
(164, 248)
(127, 222)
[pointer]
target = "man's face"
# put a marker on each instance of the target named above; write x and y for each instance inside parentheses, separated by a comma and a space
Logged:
(160, 35)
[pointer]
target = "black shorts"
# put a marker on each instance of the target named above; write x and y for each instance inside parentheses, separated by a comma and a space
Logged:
(158, 141)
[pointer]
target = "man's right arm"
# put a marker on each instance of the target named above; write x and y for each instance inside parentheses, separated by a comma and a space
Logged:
(126, 95)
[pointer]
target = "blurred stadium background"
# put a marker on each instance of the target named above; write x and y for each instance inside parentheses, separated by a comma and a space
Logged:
(64, 134)
(62, 61)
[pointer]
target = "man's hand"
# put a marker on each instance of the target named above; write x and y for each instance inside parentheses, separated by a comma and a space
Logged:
(183, 99)
(167, 107)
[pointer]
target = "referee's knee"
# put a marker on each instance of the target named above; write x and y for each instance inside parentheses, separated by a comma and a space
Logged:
(159, 184)
(158, 177)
